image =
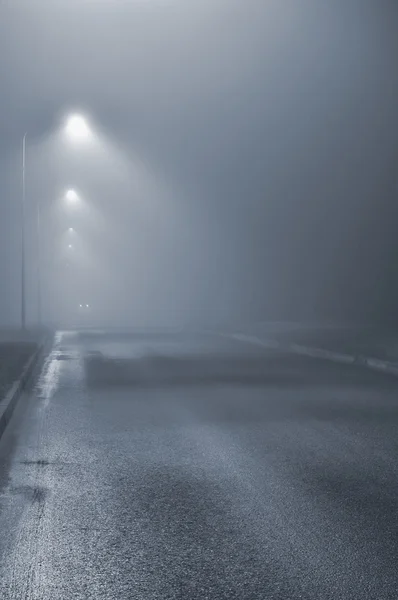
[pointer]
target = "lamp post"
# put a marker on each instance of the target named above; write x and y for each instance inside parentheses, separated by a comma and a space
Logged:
(76, 128)
(23, 291)
(23, 259)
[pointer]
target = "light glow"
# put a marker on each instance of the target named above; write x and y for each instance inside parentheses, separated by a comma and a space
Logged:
(77, 128)
(71, 196)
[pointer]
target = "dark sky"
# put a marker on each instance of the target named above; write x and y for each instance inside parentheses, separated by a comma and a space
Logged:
(246, 159)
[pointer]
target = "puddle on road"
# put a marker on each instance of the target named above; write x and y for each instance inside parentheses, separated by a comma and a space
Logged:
(49, 379)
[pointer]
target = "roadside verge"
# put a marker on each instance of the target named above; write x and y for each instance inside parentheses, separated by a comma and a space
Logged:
(8, 403)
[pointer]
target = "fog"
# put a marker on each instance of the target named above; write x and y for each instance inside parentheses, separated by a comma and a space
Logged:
(242, 164)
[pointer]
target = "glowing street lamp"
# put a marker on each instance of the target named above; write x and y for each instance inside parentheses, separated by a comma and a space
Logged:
(71, 196)
(77, 128)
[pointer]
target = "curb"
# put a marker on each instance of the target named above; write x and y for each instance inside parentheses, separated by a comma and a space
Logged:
(8, 404)
(375, 364)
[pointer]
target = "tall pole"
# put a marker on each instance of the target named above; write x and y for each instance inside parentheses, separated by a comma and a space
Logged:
(38, 265)
(23, 295)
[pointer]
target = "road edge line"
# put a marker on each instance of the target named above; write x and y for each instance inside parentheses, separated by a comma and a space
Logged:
(375, 364)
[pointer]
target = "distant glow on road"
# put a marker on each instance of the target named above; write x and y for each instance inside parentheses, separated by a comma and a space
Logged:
(71, 196)
(77, 128)
(87, 306)
(81, 305)
(70, 246)
(71, 230)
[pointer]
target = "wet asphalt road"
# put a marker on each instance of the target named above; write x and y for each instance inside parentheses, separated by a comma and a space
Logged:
(198, 468)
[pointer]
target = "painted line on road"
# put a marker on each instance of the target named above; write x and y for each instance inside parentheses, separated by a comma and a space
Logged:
(254, 340)
(339, 357)
(322, 353)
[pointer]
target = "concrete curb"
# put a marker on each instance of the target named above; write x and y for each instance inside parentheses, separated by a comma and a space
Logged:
(368, 362)
(8, 404)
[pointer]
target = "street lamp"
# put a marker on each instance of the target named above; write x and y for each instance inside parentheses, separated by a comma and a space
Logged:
(23, 298)
(71, 196)
(23, 291)
(76, 129)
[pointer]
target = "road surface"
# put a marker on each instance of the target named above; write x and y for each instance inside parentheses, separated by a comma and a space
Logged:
(179, 466)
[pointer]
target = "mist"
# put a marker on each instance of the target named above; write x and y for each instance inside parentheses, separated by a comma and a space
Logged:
(242, 165)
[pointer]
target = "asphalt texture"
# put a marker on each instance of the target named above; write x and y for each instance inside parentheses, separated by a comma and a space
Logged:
(178, 466)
